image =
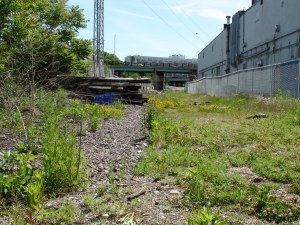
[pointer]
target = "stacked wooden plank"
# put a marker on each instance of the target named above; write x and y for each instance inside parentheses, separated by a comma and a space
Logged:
(128, 90)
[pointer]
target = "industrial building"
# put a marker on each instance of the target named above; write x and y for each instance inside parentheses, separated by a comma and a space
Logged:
(266, 33)
(257, 53)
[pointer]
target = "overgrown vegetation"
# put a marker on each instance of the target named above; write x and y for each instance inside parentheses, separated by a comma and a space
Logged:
(38, 40)
(50, 159)
(207, 142)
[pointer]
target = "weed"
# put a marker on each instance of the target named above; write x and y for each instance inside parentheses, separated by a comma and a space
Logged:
(17, 215)
(150, 116)
(129, 219)
(16, 173)
(135, 203)
(90, 203)
(274, 207)
(61, 158)
(34, 197)
(204, 216)
(101, 190)
(294, 188)
(68, 213)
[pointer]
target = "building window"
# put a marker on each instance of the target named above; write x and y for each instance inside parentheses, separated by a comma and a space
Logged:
(218, 71)
(261, 2)
(212, 48)
(203, 55)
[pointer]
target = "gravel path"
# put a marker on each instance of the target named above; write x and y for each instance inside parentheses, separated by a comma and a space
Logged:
(117, 146)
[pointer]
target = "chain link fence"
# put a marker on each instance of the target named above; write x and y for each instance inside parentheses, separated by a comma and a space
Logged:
(263, 81)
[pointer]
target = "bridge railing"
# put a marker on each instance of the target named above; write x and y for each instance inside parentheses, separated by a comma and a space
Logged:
(165, 65)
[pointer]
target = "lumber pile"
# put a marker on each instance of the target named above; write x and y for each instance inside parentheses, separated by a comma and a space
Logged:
(128, 90)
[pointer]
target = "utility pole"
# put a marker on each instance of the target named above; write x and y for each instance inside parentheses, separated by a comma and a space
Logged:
(115, 50)
(98, 41)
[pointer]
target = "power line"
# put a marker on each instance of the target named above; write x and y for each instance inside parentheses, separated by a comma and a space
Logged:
(180, 20)
(195, 24)
(164, 21)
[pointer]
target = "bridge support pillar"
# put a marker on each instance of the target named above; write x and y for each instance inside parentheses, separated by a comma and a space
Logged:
(158, 81)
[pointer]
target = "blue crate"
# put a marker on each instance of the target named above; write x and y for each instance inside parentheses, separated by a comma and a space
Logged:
(105, 99)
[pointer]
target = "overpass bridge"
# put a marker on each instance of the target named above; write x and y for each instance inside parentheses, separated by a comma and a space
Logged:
(160, 73)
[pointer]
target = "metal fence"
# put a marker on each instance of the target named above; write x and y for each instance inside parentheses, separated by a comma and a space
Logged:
(262, 81)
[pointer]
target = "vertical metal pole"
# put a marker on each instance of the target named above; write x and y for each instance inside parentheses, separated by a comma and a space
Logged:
(227, 70)
(95, 38)
(298, 94)
(115, 50)
(98, 41)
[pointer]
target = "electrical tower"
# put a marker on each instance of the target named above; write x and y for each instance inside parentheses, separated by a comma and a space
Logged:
(98, 41)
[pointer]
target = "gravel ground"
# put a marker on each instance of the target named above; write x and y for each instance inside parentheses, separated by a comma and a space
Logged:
(120, 143)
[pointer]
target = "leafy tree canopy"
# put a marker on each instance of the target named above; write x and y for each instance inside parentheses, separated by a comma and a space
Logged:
(112, 59)
(38, 38)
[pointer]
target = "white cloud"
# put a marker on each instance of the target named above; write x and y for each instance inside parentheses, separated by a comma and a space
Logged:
(216, 9)
(128, 13)
(213, 13)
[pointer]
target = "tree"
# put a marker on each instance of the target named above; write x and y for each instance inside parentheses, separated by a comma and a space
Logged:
(39, 39)
(112, 59)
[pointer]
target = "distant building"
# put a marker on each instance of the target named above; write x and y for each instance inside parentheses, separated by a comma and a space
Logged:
(173, 60)
(266, 33)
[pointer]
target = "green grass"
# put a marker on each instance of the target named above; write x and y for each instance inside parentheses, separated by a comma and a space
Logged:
(198, 143)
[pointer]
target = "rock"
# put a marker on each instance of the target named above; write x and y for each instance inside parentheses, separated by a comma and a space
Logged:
(175, 192)
(162, 216)
(105, 215)
(257, 116)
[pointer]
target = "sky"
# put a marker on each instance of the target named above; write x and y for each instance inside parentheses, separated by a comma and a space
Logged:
(159, 27)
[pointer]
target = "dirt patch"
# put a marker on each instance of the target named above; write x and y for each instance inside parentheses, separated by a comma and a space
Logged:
(8, 141)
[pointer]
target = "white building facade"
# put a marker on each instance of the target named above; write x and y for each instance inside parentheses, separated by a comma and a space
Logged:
(266, 33)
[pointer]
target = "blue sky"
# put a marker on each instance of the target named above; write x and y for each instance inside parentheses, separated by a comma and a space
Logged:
(159, 27)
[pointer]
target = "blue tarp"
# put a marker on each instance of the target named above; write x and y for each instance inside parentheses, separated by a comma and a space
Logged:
(105, 99)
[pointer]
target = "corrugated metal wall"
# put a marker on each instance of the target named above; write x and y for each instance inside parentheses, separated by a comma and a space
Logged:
(262, 81)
